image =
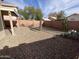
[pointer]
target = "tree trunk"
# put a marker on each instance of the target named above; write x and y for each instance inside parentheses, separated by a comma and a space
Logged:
(40, 24)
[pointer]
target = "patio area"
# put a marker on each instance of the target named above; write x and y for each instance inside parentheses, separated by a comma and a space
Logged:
(26, 35)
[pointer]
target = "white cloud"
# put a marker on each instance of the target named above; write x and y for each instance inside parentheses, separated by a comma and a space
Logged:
(71, 11)
(67, 1)
(69, 6)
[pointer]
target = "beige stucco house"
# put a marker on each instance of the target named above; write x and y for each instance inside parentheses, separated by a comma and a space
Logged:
(73, 17)
(52, 16)
(8, 17)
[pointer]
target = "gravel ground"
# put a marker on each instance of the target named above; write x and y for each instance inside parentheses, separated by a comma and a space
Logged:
(25, 35)
(34, 44)
(52, 48)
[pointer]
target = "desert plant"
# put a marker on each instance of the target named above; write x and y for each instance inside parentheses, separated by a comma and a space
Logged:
(65, 24)
(73, 34)
(61, 17)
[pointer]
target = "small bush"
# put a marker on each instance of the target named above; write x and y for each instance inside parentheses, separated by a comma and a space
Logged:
(71, 35)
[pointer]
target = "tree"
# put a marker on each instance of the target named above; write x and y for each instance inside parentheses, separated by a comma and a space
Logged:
(31, 13)
(23, 13)
(38, 14)
(61, 17)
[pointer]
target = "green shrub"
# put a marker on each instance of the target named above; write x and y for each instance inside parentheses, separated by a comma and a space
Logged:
(73, 34)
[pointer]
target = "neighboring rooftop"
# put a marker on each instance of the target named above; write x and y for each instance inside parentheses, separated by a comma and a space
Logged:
(74, 14)
(3, 3)
(46, 19)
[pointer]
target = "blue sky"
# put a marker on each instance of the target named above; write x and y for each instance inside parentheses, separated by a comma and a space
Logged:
(48, 6)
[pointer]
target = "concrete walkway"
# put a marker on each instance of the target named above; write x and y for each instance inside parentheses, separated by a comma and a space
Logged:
(25, 35)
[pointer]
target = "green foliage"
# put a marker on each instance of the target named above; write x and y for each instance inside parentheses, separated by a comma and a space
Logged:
(39, 14)
(31, 13)
(25, 15)
(65, 24)
(61, 17)
(73, 35)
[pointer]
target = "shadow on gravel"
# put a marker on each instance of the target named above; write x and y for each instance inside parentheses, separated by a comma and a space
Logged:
(53, 48)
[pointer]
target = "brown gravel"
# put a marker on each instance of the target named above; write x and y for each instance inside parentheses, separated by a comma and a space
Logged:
(34, 44)
(53, 48)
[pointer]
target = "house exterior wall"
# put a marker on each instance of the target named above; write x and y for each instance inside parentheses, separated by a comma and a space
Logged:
(6, 17)
(5, 8)
(2, 32)
(8, 8)
(73, 18)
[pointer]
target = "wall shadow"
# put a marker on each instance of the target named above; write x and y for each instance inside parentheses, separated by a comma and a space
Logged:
(52, 48)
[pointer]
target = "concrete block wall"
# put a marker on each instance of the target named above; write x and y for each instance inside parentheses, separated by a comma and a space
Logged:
(58, 24)
(29, 23)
